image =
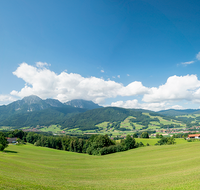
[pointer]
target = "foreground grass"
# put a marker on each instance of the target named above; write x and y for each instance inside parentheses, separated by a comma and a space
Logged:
(153, 167)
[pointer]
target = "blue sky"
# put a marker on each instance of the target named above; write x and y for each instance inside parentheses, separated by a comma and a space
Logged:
(133, 54)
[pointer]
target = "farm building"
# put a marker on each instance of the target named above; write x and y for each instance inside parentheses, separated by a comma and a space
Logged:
(192, 136)
(12, 140)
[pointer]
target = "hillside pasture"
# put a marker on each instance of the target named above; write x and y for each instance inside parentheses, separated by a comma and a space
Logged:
(52, 128)
(155, 140)
(6, 128)
(152, 167)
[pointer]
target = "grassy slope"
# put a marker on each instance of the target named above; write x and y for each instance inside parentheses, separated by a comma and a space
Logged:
(154, 141)
(153, 167)
(53, 128)
(153, 124)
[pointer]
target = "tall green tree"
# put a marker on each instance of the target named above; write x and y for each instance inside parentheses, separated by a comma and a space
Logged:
(3, 142)
(129, 142)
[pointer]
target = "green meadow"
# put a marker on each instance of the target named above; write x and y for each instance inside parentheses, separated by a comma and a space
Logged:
(155, 140)
(152, 167)
(52, 128)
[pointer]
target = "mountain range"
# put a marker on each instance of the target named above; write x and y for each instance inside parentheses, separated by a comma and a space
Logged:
(32, 110)
(78, 113)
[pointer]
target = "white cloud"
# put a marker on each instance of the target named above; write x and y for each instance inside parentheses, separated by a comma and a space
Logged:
(127, 104)
(177, 107)
(65, 86)
(128, 75)
(134, 104)
(187, 63)
(176, 88)
(5, 99)
(118, 76)
(102, 71)
(68, 86)
(134, 88)
(42, 64)
(198, 56)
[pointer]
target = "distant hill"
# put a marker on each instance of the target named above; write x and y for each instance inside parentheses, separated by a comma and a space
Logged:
(79, 103)
(173, 112)
(88, 119)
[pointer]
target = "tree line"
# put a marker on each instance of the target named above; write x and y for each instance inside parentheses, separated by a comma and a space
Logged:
(95, 145)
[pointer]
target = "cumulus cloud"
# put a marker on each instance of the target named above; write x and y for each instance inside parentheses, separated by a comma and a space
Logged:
(43, 82)
(198, 56)
(177, 107)
(5, 99)
(133, 88)
(67, 86)
(136, 105)
(176, 88)
(127, 104)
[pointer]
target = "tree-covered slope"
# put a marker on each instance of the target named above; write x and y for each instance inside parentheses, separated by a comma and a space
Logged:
(89, 119)
(44, 117)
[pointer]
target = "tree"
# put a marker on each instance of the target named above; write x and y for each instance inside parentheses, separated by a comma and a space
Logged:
(3, 142)
(145, 135)
(135, 135)
(157, 135)
(129, 142)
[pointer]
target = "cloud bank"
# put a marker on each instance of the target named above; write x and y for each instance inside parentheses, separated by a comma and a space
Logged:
(41, 81)
(67, 86)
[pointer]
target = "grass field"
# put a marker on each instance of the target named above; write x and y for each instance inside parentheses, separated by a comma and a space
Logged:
(53, 128)
(152, 167)
(5, 128)
(154, 141)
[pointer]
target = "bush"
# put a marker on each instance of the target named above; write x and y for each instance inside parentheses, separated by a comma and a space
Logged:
(166, 141)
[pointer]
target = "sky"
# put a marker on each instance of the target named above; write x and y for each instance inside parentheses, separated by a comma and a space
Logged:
(125, 53)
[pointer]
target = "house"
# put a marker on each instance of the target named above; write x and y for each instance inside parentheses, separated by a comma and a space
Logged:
(12, 140)
(192, 136)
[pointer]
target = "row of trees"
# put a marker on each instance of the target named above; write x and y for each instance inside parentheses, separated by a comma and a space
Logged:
(95, 145)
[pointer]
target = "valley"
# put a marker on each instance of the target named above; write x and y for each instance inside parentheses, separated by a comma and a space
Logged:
(85, 117)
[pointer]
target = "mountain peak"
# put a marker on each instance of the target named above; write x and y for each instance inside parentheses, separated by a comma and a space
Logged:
(31, 99)
(80, 103)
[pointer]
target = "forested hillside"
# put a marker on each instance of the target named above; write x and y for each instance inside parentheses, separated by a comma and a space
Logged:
(89, 119)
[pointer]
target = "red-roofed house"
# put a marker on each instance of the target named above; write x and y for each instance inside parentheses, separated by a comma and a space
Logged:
(192, 136)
